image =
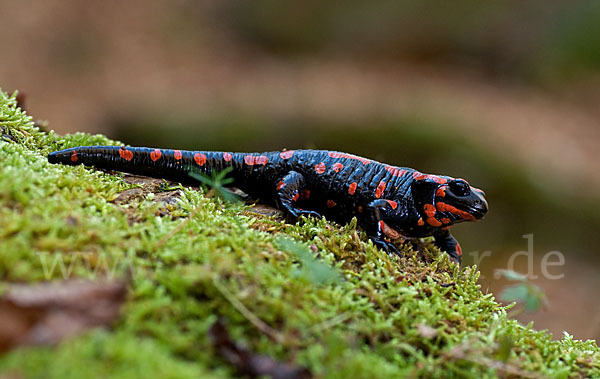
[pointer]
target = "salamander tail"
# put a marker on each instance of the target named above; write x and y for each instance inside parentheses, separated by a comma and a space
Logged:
(159, 163)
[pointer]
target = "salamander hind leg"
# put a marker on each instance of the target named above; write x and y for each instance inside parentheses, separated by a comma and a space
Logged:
(289, 189)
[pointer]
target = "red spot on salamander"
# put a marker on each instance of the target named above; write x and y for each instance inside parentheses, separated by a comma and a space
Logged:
(177, 154)
(200, 159)
(74, 156)
(352, 188)
(441, 192)
(429, 210)
(262, 159)
(395, 171)
(433, 221)
(306, 194)
(280, 185)
(125, 154)
(286, 154)
(331, 203)
(155, 155)
(296, 196)
(420, 222)
(320, 168)
(445, 220)
(443, 207)
(389, 231)
(458, 250)
(419, 176)
(393, 204)
(227, 157)
(254, 160)
(337, 167)
(334, 154)
(360, 209)
(380, 189)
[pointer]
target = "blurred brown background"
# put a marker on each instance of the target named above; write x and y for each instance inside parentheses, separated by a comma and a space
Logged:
(505, 95)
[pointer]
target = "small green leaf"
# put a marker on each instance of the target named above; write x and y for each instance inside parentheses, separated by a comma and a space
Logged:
(533, 303)
(217, 181)
(512, 275)
(531, 296)
(312, 269)
(518, 293)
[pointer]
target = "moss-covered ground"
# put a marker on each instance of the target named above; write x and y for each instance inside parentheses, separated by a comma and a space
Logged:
(314, 293)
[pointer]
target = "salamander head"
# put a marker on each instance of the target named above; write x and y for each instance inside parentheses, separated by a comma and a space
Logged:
(443, 201)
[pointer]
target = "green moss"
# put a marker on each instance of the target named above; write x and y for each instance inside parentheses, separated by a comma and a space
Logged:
(329, 301)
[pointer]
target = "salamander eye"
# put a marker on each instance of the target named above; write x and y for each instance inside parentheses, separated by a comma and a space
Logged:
(460, 187)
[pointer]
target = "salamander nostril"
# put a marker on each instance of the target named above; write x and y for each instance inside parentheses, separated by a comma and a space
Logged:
(482, 206)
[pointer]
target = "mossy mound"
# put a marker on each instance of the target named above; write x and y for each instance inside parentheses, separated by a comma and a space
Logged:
(314, 293)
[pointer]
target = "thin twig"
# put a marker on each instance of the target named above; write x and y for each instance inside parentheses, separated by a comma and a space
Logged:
(463, 352)
(254, 319)
(330, 323)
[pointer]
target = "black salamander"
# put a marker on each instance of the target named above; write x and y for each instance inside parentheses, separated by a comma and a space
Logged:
(388, 201)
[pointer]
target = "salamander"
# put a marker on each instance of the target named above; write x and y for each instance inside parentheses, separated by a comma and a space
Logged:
(388, 201)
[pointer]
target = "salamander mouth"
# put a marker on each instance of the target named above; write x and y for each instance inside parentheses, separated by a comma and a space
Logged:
(477, 212)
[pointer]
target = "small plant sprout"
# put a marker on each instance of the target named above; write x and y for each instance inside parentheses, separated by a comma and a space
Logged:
(531, 296)
(217, 182)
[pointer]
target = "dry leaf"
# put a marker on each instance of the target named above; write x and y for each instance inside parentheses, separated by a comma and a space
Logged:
(48, 312)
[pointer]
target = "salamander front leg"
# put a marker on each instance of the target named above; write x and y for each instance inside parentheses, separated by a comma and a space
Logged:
(288, 193)
(377, 211)
(446, 242)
